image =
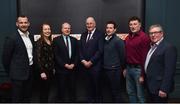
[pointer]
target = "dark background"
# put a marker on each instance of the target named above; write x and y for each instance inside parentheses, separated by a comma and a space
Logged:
(164, 12)
(76, 11)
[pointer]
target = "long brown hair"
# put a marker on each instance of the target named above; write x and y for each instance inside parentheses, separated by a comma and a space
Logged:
(42, 35)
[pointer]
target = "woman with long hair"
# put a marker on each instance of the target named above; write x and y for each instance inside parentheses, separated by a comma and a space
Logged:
(45, 61)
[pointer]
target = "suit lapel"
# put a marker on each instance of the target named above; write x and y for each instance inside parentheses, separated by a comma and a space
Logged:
(72, 47)
(85, 37)
(158, 49)
(21, 43)
(64, 47)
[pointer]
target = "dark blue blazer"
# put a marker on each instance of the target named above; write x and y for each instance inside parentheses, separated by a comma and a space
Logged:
(15, 58)
(161, 68)
(92, 50)
(61, 53)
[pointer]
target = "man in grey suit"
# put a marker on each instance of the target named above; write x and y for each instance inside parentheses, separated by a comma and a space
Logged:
(160, 65)
(17, 59)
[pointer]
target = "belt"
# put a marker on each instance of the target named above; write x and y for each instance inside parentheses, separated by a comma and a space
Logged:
(134, 65)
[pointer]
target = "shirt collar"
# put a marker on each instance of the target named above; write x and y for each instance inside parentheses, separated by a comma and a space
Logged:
(135, 34)
(23, 34)
(64, 36)
(158, 42)
(92, 32)
(109, 37)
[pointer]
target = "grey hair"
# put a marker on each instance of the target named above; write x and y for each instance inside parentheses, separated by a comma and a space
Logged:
(156, 25)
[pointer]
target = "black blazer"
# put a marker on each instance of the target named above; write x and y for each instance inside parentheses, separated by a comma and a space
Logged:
(92, 50)
(61, 53)
(161, 68)
(15, 58)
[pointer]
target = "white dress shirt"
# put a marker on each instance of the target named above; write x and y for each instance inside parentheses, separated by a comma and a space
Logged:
(28, 44)
(150, 52)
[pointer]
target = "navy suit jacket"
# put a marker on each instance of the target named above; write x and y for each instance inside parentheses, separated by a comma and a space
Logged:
(92, 50)
(15, 58)
(61, 54)
(161, 68)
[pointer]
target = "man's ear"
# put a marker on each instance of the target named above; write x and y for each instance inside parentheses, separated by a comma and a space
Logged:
(29, 23)
(115, 30)
(17, 24)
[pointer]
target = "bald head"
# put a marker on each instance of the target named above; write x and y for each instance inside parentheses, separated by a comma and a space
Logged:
(90, 24)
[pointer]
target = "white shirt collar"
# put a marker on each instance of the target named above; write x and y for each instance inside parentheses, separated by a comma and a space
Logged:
(158, 42)
(92, 32)
(23, 34)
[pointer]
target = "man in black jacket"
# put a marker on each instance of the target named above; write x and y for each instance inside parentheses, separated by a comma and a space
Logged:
(66, 61)
(17, 60)
(160, 66)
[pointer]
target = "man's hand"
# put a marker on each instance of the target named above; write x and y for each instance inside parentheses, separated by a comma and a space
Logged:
(162, 94)
(87, 64)
(141, 80)
(43, 76)
(70, 67)
(124, 72)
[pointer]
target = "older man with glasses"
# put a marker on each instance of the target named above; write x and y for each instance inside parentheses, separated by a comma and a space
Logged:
(160, 65)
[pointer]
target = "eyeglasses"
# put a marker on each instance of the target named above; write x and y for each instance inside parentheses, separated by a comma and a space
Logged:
(156, 32)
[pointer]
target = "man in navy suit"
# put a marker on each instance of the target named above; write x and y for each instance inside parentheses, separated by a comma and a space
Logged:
(90, 57)
(17, 60)
(160, 65)
(66, 61)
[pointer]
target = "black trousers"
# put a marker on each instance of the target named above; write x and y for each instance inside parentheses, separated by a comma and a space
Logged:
(92, 85)
(113, 78)
(66, 86)
(21, 90)
(45, 87)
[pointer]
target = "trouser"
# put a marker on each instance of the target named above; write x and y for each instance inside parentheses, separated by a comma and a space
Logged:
(21, 90)
(114, 80)
(135, 89)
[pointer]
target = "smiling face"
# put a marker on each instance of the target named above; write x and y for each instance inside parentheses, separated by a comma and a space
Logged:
(155, 34)
(90, 24)
(110, 29)
(66, 28)
(23, 24)
(46, 30)
(134, 26)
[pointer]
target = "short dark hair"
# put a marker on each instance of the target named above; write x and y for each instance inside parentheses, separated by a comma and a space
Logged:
(23, 16)
(133, 18)
(111, 22)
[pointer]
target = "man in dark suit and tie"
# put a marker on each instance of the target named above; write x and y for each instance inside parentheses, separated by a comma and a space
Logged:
(17, 59)
(66, 61)
(91, 58)
(160, 66)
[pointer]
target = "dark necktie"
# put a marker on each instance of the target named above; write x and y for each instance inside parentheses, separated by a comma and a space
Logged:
(88, 37)
(67, 44)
